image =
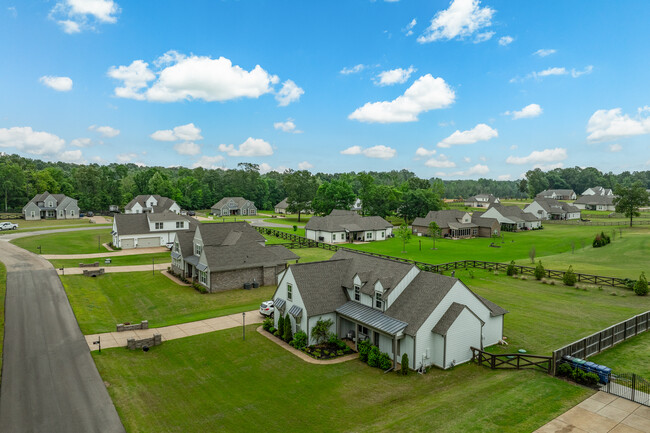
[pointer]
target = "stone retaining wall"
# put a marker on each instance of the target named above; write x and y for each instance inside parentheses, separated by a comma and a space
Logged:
(89, 265)
(94, 272)
(132, 327)
(133, 344)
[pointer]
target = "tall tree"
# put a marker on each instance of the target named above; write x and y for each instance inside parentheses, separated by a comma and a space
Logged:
(434, 231)
(336, 194)
(537, 182)
(301, 188)
(630, 198)
(12, 181)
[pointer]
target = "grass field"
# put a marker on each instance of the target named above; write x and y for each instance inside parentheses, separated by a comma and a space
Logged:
(3, 290)
(217, 382)
(630, 356)
(290, 220)
(100, 303)
(79, 242)
(140, 259)
(32, 226)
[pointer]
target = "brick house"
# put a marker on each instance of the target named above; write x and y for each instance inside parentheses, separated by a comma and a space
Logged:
(456, 224)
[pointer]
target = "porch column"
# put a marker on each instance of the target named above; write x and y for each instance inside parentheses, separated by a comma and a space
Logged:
(356, 336)
(395, 352)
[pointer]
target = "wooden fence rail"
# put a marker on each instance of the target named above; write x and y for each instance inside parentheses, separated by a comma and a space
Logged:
(302, 242)
(608, 337)
(599, 223)
(513, 361)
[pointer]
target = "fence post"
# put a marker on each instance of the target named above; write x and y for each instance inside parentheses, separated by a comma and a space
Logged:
(633, 385)
(585, 346)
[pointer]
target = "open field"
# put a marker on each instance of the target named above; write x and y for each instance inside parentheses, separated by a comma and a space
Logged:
(631, 356)
(101, 303)
(31, 226)
(220, 383)
(3, 291)
(141, 259)
(79, 242)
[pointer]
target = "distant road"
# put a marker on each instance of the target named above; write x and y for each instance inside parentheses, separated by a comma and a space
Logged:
(49, 380)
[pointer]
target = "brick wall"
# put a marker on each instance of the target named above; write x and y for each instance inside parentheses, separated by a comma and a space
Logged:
(133, 344)
(142, 325)
(228, 280)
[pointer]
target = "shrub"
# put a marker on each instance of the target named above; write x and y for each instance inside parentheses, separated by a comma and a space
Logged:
(539, 270)
(569, 278)
(511, 270)
(272, 330)
(590, 379)
(317, 353)
(565, 370)
(299, 340)
(364, 349)
(334, 340)
(641, 286)
(339, 353)
(384, 361)
(200, 288)
(276, 333)
(578, 375)
(373, 356)
(267, 324)
(280, 323)
(405, 364)
(321, 331)
(286, 332)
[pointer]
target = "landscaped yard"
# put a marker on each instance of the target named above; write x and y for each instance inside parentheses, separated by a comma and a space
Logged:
(100, 303)
(630, 356)
(75, 242)
(139, 259)
(313, 254)
(33, 226)
(217, 382)
(290, 220)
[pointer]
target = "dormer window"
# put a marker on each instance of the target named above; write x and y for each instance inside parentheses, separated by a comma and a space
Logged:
(180, 224)
(159, 226)
(197, 249)
(378, 300)
(357, 293)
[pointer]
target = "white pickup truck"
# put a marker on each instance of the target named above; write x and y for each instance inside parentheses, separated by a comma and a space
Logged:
(8, 226)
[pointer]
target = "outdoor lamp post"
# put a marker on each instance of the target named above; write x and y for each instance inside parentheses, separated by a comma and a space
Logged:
(99, 342)
(243, 318)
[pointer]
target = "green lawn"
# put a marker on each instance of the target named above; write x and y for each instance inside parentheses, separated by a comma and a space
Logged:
(79, 242)
(100, 303)
(139, 259)
(313, 254)
(290, 220)
(630, 356)
(3, 290)
(545, 317)
(217, 382)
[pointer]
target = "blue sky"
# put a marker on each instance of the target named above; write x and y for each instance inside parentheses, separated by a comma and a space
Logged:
(461, 89)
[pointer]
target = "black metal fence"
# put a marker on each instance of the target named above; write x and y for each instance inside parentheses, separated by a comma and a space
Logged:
(630, 386)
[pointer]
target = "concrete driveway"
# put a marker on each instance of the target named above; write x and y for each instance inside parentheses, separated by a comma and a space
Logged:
(49, 380)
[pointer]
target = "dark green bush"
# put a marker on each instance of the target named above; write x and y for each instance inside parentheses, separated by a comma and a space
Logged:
(405, 364)
(272, 330)
(373, 356)
(280, 323)
(299, 340)
(590, 379)
(321, 331)
(641, 285)
(286, 333)
(267, 324)
(511, 270)
(384, 361)
(578, 375)
(569, 278)
(539, 270)
(565, 370)
(364, 349)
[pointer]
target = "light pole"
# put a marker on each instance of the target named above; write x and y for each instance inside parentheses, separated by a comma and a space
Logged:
(153, 267)
(243, 319)
(99, 342)
(99, 243)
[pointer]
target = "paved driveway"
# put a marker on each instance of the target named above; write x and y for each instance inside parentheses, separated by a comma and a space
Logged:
(49, 380)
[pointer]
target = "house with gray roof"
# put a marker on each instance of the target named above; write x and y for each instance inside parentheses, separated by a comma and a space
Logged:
(596, 202)
(146, 230)
(51, 206)
(151, 203)
(456, 224)
(432, 318)
(225, 256)
(482, 200)
(551, 209)
(347, 226)
(598, 190)
(233, 206)
(282, 207)
(558, 194)
(512, 218)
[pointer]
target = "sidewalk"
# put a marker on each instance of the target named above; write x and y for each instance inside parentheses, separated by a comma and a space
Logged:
(131, 252)
(118, 339)
(602, 412)
(115, 269)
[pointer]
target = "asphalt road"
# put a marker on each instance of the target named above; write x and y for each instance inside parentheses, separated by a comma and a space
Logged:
(49, 380)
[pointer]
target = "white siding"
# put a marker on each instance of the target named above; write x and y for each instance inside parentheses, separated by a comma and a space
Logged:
(399, 288)
(464, 333)
(386, 346)
(534, 208)
(281, 292)
(406, 346)
(314, 319)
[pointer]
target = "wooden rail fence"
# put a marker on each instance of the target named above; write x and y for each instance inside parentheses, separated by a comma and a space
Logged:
(599, 223)
(302, 242)
(608, 337)
(512, 361)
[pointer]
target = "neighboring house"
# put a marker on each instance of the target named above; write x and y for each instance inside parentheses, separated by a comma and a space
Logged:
(550, 209)
(347, 226)
(282, 207)
(598, 190)
(357, 206)
(226, 256)
(51, 206)
(482, 200)
(512, 218)
(596, 202)
(148, 203)
(432, 318)
(234, 206)
(558, 194)
(149, 229)
(456, 224)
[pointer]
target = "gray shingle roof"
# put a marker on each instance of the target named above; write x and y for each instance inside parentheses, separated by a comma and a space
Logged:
(514, 213)
(495, 310)
(320, 285)
(240, 201)
(371, 318)
(560, 192)
(550, 205)
(450, 317)
(218, 233)
(282, 205)
(441, 217)
(164, 203)
(185, 240)
(485, 222)
(138, 223)
(490, 198)
(606, 200)
(245, 255)
(340, 220)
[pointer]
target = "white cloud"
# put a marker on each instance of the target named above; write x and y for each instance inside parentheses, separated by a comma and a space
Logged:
(547, 167)
(381, 151)
(544, 52)
(551, 71)
(77, 15)
(126, 157)
(187, 148)
(539, 157)
(353, 70)
(529, 111)
(575, 73)
(480, 132)
(587, 70)
(97, 159)
(81, 142)
(25, 139)
(426, 93)
(613, 124)
(187, 132)
(193, 77)
(105, 131)
(482, 37)
(462, 19)
(615, 147)
(305, 165)
(394, 76)
(467, 159)
(288, 126)
(70, 27)
(209, 162)
(250, 147)
(71, 156)
(474, 170)
(421, 152)
(408, 30)
(289, 93)
(60, 84)
(504, 177)
(440, 162)
(506, 40)
(266, 168)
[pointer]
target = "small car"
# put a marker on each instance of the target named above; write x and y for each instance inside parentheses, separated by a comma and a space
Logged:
(191, 213)
(90, 214)
(169, 245)
(267, 309)
(8, 226)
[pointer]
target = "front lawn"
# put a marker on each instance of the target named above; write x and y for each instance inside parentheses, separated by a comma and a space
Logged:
(3, 291)
(101, 303)
(217, 382)
(630, 356)
(75, 242)
(139, 259)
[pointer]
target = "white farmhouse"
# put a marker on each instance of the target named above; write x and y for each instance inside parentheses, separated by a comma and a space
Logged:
(596, 202)
(347, 226)
(550, 209)
(482, 200)
(432, 318)
(512, 218)
(143, 230)
(598, 190)
(151, 203)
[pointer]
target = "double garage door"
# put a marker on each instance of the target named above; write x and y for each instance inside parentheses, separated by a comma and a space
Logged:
(142, 243)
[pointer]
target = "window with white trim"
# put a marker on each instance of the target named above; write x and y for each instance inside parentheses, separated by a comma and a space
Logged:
(368, 235)
(289, 292)
(198, 248)
(357, 293)
(203, 277)
(180, 224)
(33, 214)
(378, 300)
(333, 236)
(383, 235)
(159, 226)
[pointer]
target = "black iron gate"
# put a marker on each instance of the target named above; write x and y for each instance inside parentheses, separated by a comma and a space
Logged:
(630, 386)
